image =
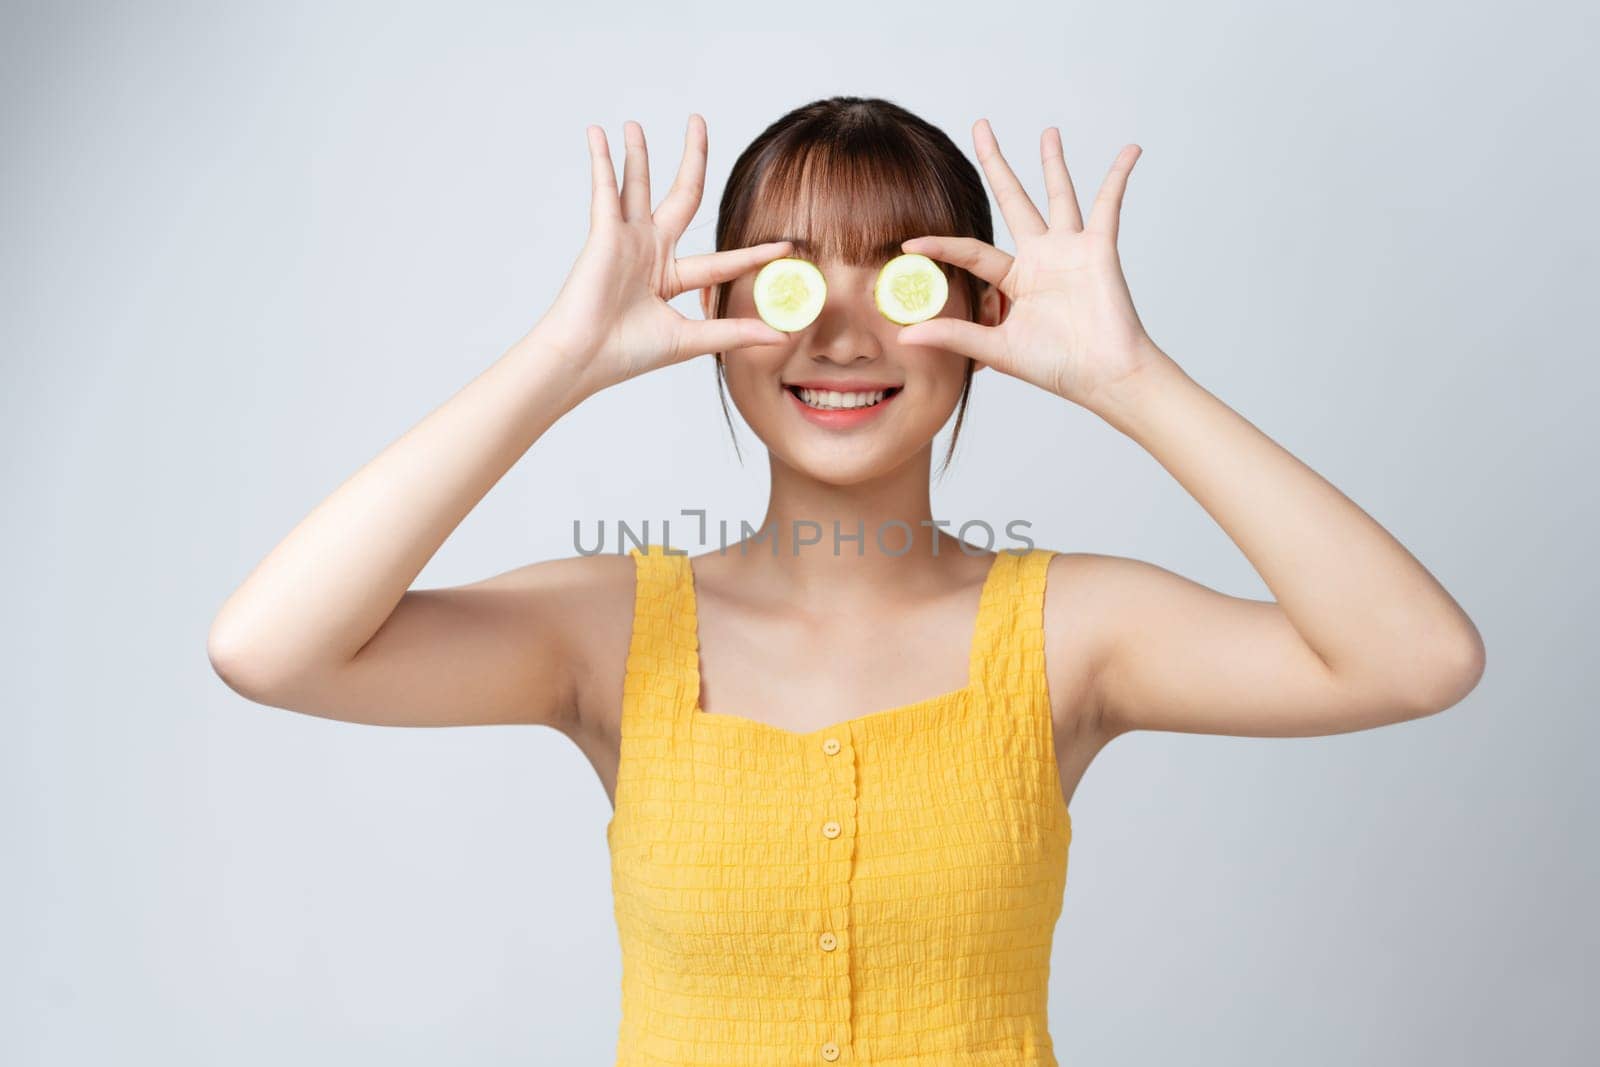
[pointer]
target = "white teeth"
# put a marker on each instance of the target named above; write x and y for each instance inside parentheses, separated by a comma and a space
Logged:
(829, 400)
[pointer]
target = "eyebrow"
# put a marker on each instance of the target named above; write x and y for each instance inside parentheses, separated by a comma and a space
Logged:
(806, 248)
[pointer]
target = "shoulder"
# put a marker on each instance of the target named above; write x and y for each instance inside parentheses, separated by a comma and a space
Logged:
(1088, 595)
(590, 599)
(579, 582)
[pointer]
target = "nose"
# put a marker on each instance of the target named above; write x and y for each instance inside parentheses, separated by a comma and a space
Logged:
(847, 329)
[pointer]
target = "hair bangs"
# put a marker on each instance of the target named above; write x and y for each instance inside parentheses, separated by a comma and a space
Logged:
(853, 207)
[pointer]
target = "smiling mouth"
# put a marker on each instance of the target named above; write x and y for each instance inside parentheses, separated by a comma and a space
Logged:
(828, 400)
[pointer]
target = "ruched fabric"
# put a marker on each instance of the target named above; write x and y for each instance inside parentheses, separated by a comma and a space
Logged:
(883, 891)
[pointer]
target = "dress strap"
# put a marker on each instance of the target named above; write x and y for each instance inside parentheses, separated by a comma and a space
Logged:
(1008, 642)
(662, 679)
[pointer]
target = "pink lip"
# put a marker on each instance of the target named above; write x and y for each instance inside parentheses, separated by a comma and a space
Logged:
(841, 385)
(844, 418)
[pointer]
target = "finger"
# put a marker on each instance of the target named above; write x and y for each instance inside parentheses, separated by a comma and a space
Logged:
(700, 336)
(1022, 217)
(979, 257)
(678, 208)
(635, 173)
(1058, 182)
(1106, 214)
(982, 343)
(713, 268)
(603, 203)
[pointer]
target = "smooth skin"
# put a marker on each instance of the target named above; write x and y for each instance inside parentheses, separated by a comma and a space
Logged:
(1358, 633)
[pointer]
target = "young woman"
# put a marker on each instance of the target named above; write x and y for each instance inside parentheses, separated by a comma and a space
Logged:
(841, 765)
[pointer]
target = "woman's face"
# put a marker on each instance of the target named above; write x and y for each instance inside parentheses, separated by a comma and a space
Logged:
(783, 390)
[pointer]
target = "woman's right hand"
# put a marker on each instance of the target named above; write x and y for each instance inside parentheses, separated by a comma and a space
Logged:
(611, 317)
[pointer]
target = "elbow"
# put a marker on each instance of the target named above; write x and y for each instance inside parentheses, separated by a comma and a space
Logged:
(1454, 669)
(233, 662)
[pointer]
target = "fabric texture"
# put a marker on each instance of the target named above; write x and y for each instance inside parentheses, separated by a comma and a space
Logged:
(883, 891)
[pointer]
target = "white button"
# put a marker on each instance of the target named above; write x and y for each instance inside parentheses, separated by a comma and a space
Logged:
(830, 829)
(831, 746)
(828, 942)
(830, 1051)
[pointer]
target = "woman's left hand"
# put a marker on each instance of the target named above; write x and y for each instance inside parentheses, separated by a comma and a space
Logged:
(1071, 327)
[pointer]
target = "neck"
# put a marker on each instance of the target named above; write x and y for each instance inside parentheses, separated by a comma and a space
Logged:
(880, 528)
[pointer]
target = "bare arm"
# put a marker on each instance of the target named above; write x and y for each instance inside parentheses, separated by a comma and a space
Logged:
(327, 623)
(1360, 633)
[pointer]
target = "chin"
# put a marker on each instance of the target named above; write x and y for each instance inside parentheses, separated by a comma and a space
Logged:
(841, 464)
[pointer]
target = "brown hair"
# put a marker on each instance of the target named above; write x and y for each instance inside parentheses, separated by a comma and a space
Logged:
(882, 174)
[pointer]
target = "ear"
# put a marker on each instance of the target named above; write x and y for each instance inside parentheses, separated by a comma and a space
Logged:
(705, 302)
(993, 305)
(992, 308)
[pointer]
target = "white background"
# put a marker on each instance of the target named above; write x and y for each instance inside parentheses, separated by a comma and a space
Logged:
(245, 248)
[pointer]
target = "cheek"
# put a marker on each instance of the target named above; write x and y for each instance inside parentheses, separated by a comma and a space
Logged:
(752, 374)
(738, 302)
(946, 372)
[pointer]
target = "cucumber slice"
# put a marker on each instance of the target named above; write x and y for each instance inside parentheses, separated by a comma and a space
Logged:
(911, 288)
(789, 294)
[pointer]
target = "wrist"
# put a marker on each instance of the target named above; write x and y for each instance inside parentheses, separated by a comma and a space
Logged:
(547, 338)
(556, 363)
(1125, 401)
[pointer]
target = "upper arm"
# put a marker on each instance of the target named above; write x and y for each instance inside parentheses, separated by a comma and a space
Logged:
(1177, 655)
(507, 649)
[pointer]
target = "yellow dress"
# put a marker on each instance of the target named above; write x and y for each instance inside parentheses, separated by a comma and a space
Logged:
(883, 891)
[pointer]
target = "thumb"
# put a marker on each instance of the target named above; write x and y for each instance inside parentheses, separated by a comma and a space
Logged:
(700, 336)
(964, 338)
